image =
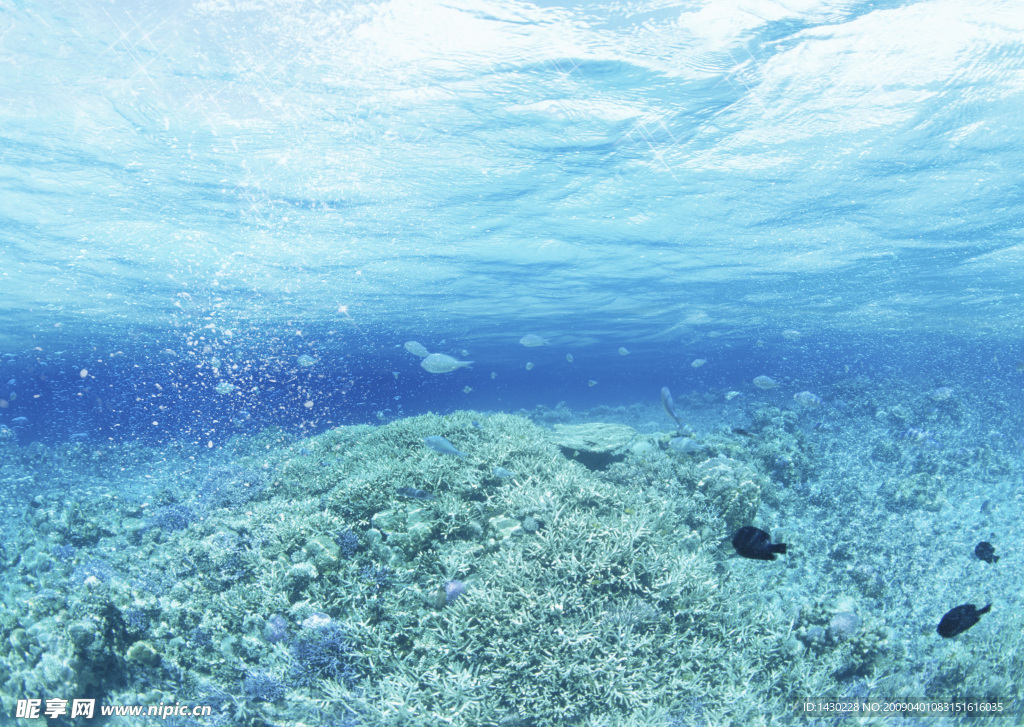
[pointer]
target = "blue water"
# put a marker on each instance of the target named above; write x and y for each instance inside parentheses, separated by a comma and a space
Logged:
(681, 180)
(217, 217)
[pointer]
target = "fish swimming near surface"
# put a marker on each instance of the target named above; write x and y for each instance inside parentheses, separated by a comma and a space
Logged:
(416, 349)
(756, 544)
(986, 552)
(959, 619)
(666, 401)
(439, 363)
(532, 340)
(414, 493)
(442, 446)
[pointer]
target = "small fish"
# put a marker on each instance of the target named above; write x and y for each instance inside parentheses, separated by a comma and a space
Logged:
(19, 420)
(568, 357)
(529, 365)
(986, 552)
(754, 543)
(467, 389)
(941, 394)
(416, 348)
(698, 362)
(959, 619)
(502, 472)
(685, 445)
(532, 340)
(741, 431)
(623, 351)
(591, 382)
(808, 399)
(476, 424)
(666, 401)
(442, 446)
(414, 493)
(765, 382)
(439, 363)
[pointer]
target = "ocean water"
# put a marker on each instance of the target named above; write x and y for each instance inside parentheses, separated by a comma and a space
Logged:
(222, 222)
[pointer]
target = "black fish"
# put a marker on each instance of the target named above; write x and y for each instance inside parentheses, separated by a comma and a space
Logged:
(960, 619)
(751, 542)
(414, 493)
(986, 551)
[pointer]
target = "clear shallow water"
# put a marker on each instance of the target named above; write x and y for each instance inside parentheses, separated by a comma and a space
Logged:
(196, 195)
(683, 180)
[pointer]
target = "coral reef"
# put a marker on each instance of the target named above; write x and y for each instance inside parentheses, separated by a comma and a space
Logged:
(562, 594)
(594, 445)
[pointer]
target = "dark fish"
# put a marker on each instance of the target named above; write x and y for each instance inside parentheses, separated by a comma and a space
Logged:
(986, 551)
(959, 619)
(741, 431)
(751, 542)
(414, 493)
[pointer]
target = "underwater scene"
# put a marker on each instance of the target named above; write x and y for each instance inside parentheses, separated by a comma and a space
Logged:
(499, 363)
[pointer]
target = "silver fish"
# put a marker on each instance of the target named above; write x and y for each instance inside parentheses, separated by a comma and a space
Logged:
(685, 445)
(442, 446)
(502, 472)
(666, 401)
(439, 363)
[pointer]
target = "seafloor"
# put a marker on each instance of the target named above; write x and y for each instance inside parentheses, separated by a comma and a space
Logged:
(358, 577)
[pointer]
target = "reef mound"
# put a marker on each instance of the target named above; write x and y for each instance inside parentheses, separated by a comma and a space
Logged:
(595, 445)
